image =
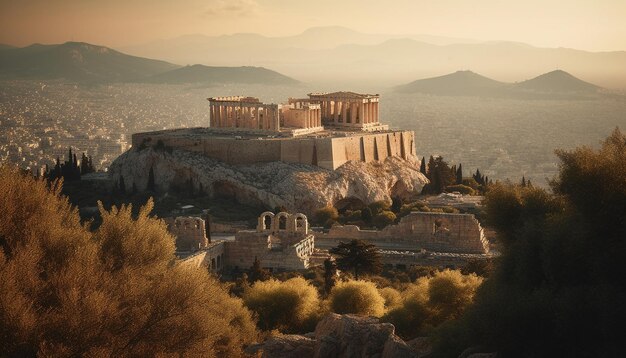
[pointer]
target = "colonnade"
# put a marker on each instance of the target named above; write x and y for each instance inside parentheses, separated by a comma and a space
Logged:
(348, 111)
(243, 114)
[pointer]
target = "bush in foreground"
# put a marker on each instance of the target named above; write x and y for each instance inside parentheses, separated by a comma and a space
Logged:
(357, 297)
(65, 291)
(290, 306)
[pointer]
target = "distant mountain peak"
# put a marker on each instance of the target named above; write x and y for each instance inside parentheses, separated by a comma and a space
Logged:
(557, 81)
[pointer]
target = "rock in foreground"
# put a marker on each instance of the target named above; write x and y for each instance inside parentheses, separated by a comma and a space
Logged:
(339, 336)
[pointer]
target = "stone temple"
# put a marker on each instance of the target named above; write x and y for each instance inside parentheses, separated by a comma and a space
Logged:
(324, 130)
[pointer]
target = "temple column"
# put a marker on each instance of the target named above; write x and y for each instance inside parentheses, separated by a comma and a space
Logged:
(353, 112)
(366, 112)
(336, 112)
(376, 113)
(344, 112)
(361, 112)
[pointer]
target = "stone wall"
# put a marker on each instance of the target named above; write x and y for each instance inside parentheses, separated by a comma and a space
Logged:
(213, 257)
(328, 152)
(439, 232)
(189, 231)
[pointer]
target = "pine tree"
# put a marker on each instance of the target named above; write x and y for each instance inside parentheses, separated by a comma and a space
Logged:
(523, 181)
(151, 186)
(357, 256)
(459, 174)
(431, 167)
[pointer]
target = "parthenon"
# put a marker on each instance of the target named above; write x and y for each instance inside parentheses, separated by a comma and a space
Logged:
(243, 112)
(299, 116)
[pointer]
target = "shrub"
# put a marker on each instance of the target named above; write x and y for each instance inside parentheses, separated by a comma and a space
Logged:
(325, 215)
(290, 306)
(384, 218)
(392, 297)
(65, 291)
(357, 297)
(379, 206)
(431, 301)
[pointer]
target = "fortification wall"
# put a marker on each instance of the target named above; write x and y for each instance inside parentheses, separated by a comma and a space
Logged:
(211, 257)
(459, 233)
(327, 152)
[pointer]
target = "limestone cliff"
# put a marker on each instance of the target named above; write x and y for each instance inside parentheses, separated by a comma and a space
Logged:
(297, 187)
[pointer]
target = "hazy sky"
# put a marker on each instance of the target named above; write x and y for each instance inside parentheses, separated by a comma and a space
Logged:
(584, 24)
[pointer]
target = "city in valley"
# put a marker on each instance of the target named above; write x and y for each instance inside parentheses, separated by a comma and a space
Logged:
(248, 179)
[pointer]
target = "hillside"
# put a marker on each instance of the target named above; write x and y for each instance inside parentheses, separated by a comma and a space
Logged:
(557, 81)
(209, 75)
(76, 61)
(460, 83)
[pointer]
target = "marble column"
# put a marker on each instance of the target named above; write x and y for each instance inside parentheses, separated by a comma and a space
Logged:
(376, 112)
(336, 112)
(344, 112)
(353, 110)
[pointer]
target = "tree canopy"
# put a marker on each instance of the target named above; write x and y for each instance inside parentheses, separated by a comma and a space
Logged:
(116, 291)
(357, 256)
(559, 288)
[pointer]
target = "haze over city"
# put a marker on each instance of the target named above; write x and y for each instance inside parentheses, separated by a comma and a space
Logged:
(295, 179)
(587, 25)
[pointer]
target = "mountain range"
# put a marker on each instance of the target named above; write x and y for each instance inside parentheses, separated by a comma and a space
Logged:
(87, 63)
(342, 56)
(557, 83)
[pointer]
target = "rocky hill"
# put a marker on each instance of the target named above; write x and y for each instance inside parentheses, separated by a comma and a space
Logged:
(557, 81)
(213, 75)
(76, 61)
(297, 187)
(464, 83)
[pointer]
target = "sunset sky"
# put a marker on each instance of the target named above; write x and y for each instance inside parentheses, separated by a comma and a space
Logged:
(595, 25)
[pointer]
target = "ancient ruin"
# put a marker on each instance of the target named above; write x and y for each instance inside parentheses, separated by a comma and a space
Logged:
(434, 232)
(325, 130)
(327, 148)
(280, 242)
(190, 232)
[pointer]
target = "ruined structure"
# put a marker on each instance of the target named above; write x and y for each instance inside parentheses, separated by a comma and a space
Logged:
(325, 130)
(327, 148)
(436, 232)
(190, 233)
(280, 242)
(243, 112)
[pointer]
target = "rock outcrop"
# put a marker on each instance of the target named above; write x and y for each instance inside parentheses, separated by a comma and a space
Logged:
(339, 336)
(297, 187)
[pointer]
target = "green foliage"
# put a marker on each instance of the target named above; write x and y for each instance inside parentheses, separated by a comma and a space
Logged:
(65, 291)
(257, 273)
(440, 175)
(431, 301)
(330, 275)
(559, 288)
(384, 218)
(358, 256)
(290, 306)
(326, 216)
(392, 297)
(357, 297)
(366, 215)
(379, 206)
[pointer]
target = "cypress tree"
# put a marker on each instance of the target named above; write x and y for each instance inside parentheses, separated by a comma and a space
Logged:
(423, 166)
(459, 174)
(122, 185)
(330, 275)
(151, 186)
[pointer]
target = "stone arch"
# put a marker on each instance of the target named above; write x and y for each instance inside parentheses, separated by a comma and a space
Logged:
(281, 222)
(301, 223)
(265, 224)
